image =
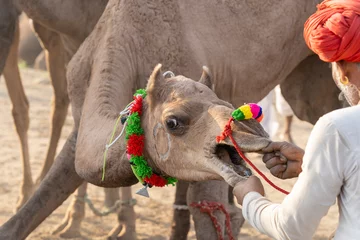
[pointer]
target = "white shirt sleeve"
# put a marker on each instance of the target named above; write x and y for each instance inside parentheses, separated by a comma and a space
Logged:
(316, 189)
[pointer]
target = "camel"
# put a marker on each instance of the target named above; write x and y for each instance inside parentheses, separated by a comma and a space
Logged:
(112, 50)
(57, 47)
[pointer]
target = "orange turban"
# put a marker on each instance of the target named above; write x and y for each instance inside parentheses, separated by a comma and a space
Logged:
(333, 32)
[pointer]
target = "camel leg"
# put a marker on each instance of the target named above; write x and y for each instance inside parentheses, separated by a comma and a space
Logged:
(286, 134)
(55, 54)
(56, 187)
(125, 230)
(214, 191)
(70, 226)
(20, 112)
(111, 196)
(236, 217)
(181, 218)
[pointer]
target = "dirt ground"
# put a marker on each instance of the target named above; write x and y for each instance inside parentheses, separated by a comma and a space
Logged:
(154, 215)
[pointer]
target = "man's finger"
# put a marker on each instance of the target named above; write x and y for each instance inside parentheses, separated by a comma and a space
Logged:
(273, 162)
(272, 147)
(268, 156)
(278, 170)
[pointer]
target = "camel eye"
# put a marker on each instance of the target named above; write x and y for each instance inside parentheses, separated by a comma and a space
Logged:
(176, 124)
(172, 123)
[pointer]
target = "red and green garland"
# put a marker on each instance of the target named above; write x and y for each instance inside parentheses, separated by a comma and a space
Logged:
(135, 146)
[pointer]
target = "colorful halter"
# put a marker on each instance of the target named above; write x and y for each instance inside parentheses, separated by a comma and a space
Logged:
(135, 146)
(135, 140)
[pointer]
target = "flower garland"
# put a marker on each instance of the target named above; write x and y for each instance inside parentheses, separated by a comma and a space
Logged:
(135, 139)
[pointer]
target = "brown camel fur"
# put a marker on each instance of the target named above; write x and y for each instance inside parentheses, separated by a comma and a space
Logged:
(125, 28)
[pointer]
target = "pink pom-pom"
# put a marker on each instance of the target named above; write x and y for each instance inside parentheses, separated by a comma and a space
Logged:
(255, 109)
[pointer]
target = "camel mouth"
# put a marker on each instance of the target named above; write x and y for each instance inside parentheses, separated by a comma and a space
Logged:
(228, 154)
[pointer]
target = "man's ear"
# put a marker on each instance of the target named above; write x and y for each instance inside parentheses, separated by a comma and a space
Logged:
(206, 78)
(341, 68)
(154, 85)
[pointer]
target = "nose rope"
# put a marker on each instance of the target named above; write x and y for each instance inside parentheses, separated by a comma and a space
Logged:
(209, 208)
(228, 133)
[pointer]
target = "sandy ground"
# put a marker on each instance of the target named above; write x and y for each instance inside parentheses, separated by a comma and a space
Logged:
(154, 215)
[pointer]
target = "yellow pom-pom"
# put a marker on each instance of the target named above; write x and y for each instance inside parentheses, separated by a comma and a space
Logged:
(246, 110)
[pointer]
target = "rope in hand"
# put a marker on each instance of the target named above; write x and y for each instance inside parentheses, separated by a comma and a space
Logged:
(209, 208)
(228, 133)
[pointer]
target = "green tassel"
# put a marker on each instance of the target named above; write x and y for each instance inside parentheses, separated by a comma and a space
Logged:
(171, 180)
(238, 115)
(141, 91)
(134, 125)
(139, 178)
(138, 160)
(141, 167)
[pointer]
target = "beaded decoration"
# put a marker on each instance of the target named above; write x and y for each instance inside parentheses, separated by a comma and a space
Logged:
(248, 111)
(135, 139)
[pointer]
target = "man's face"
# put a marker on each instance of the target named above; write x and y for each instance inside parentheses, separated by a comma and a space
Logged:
(350, 90)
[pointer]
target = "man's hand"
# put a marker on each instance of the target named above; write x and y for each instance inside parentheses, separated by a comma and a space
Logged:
(283, 159)
(252, 184)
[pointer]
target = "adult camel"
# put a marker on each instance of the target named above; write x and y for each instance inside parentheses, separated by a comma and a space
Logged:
(121, 51)
(60, 46)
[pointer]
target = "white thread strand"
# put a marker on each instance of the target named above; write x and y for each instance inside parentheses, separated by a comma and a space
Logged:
(117, 138)
(181, 207)
(124, 112)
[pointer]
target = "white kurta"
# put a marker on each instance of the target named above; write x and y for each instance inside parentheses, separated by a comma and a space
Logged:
(330, 169)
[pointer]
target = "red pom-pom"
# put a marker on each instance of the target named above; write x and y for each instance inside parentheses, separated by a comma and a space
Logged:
(259, 119)
(156, 180)
(135, 145)
(137, 105)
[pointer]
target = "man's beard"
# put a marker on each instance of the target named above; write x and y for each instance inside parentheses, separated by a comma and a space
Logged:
(351, 93)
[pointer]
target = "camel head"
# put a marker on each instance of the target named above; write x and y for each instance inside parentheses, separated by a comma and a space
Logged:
(181, 119)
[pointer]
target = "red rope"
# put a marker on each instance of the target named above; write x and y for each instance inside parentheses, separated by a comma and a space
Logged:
(228, 133)
(209, 208)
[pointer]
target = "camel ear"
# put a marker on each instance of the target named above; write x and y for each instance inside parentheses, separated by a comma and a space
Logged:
(154, 85)
(155, 79)
(206, 78)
